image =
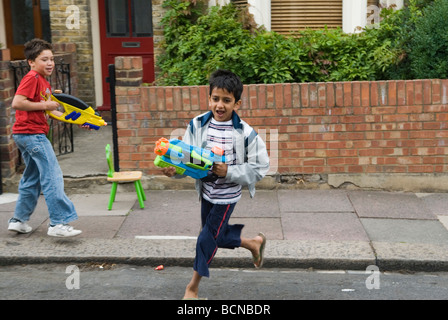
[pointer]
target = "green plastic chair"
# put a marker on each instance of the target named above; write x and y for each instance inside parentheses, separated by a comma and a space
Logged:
(123, 176)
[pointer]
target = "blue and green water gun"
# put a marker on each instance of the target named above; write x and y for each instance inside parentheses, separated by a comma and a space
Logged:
(186, 159)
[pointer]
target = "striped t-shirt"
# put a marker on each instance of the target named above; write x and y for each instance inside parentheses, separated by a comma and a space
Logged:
(221, 191)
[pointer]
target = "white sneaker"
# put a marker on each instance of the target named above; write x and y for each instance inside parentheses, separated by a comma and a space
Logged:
(20, 227)
(63, 230)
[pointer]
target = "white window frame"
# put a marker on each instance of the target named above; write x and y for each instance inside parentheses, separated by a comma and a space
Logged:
(354, 12)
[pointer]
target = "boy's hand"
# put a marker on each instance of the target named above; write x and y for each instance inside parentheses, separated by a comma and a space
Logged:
(220, 169)
(57, 113)
(169, 171)
(51, 105)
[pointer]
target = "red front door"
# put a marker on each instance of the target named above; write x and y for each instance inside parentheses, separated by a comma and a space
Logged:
(125, 30)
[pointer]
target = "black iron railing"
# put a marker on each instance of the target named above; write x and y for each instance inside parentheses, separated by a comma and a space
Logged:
(113, 108)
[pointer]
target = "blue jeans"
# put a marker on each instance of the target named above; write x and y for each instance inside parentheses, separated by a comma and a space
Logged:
(42, 173)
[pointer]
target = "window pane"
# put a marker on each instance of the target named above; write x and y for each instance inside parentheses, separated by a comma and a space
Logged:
(45, 16)
(22, 21)
(117, 18)
(142, 18)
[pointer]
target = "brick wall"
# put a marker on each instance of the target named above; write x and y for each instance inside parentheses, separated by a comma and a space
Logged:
(81, 36)
(157, 14)
(314, 128)
(8, 149)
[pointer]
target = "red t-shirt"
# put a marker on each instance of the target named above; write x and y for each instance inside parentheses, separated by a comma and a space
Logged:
(34, 87)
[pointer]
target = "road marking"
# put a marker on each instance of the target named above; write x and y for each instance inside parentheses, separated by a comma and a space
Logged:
(165, 237)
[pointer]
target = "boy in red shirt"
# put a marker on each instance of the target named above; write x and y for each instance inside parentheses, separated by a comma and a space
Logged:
(42, 172)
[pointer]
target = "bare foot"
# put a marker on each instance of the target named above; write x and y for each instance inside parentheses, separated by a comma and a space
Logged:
(258, 252)
(192, 289)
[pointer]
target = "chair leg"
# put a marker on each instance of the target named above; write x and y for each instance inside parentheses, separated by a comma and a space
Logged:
(142, 190)
(113, 191)
(139, 194)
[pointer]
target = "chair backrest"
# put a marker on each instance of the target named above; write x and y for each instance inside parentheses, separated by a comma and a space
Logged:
(110, 163)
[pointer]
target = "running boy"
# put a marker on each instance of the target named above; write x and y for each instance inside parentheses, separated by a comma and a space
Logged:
(246, 163)
(42, 172)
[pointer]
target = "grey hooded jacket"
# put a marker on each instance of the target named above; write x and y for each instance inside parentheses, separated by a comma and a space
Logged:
(251, 154)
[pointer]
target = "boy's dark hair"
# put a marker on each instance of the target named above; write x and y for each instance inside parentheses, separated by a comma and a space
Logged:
(227, 80)
(34, 48)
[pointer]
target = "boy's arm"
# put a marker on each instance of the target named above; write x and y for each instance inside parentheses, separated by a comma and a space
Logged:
(256, 166)
(22, 103)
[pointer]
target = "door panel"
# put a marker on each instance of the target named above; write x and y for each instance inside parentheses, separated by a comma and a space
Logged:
(125, 30)
(25, 20)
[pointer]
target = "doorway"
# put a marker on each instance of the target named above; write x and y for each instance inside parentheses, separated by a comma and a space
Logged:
(24, 21)
(125, 30)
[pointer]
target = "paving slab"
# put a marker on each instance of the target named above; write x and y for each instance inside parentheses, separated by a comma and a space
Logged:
(102, 227)
(389, 205)
(324, 226)
(271, 227)
(264, 204)
(314, 201)
(406, 231)
(168, 212)
(39, 217)
(96, 204)
(437, 203)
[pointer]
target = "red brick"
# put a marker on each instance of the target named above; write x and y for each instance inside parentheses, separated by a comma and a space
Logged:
(374, 101)
(392, 93)
(427, 91)
(418, 92)
(401, 93)
(287, 95)
(356, 94)
(278, 96)
(261, 96)
(436, 94)
(304, 95)
(339, 94)
(330, 96)
(313, 95)
(410, 91)
(365, 94)
(383, 93)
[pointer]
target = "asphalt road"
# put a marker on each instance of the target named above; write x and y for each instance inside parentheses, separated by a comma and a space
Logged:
(97, 281)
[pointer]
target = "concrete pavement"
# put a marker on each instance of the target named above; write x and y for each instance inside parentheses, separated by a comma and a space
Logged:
(321, 229)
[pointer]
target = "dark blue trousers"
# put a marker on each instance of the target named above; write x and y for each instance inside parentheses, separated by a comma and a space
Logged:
(216, 233)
